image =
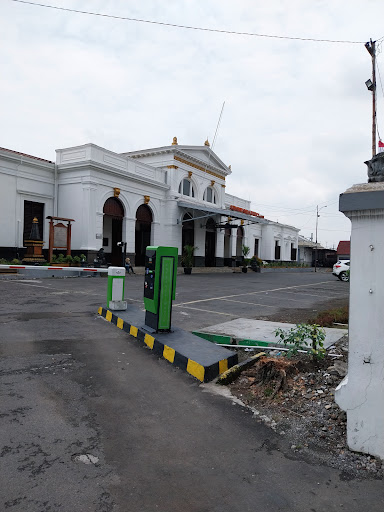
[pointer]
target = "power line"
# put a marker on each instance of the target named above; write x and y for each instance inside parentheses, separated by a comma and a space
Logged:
(188, 27)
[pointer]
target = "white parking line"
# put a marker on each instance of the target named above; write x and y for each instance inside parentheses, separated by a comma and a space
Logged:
(205, 310)
(316, 295)
(252, 293)
(29, 284)
(251, 303)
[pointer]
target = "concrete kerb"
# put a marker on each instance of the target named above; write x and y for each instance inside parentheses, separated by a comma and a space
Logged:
(232, 373)
(198, 357)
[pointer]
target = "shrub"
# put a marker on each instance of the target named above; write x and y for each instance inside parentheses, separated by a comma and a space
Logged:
(3, 261)
(54, 258)
(68, 259)
(328, 317)
(245, 250)
(15, 261)
(187, 257)
(303, 337)
(83, 257)
(60, 258)
(76, 259)
(256, 261)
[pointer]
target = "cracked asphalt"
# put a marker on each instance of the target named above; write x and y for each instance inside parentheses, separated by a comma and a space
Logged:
(92, 421)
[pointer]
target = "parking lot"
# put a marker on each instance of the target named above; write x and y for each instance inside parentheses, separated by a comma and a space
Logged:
(92, 420)
(203, 300)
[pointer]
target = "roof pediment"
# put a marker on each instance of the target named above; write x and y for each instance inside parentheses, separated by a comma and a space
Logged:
(201, 155)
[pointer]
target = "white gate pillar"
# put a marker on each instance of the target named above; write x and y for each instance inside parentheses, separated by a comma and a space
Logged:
(361, 393)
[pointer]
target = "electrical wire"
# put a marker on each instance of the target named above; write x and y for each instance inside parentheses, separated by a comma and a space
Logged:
(188, 27)
(286, 209)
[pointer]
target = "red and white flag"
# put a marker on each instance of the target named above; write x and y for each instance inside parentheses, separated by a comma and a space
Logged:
(381, 146)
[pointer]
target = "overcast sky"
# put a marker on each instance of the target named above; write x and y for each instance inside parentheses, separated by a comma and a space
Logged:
(296, 126)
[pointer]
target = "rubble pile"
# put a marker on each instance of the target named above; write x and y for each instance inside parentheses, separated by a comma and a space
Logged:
(305, 413)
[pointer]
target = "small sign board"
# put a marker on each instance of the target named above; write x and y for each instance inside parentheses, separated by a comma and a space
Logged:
(59, 236)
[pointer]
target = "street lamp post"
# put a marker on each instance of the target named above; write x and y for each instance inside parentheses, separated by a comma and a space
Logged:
(317, 221)
(371, 86)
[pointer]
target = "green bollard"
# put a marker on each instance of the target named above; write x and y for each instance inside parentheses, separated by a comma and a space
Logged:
(159, 286)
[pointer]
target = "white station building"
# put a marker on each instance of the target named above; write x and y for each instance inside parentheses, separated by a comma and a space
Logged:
(173, 195)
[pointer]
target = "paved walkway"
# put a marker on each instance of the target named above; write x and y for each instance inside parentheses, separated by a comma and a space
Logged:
(262, 330)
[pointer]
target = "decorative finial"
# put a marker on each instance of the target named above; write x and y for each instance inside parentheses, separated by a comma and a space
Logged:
(35, 233)
(174, 142)
(206, 143)
(376, 168)
(229, 167)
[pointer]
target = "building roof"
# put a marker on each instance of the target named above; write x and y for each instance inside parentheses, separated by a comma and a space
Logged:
(305, 242)
(344, 247)
(203, 156)
(25, 154)
(220, 211)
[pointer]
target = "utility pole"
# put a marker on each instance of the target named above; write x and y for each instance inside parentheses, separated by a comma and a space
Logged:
(317, 221)
(371, 49)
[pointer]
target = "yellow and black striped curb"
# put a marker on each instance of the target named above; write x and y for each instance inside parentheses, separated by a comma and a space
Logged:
(202, 372)
(232, 373)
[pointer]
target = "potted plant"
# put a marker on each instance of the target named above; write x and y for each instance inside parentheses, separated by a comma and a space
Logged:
(245, 250)
(256, 263)
(83, 258)
(76, 261)
(68, 259)
(187, 258)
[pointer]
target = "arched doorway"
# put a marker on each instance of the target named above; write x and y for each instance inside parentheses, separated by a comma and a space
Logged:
(239, 242)
(210, 243)
(113, 230)
(142, 233)
(188, 231)
(227, 247)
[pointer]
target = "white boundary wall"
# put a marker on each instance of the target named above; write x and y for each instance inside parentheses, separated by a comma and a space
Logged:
(361, 393)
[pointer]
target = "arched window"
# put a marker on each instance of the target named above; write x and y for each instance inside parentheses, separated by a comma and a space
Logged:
(113, 207)
(186, 188)
(209, 195)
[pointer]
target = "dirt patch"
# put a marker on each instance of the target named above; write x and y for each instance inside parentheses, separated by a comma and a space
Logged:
(295, 397)
(307, 315)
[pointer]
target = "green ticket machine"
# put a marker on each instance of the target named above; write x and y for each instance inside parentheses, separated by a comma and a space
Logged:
(159, 286)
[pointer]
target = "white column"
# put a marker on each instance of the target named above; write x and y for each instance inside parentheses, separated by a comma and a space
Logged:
(233, 242)
(220, 245)
(267, 243)
(199, 242)
(129, 234)
(88, 224)
(156, 235)
(361, 393)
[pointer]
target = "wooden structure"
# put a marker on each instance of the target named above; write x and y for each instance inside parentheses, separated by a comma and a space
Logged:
(59, 235)
(34, 245)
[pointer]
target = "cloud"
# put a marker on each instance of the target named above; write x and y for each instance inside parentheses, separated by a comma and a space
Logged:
(296, 124)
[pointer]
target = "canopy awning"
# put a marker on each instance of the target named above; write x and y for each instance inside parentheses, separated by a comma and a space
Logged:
(203, 210)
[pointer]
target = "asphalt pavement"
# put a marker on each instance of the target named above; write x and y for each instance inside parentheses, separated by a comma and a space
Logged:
(91, 420)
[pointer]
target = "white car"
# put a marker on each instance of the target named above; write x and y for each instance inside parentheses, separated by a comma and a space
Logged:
(340, 269)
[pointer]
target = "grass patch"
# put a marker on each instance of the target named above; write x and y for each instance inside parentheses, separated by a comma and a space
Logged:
(330, 316)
